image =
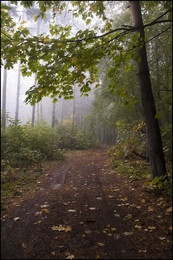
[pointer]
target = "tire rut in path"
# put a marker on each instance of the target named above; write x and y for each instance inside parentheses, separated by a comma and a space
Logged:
(76, 195)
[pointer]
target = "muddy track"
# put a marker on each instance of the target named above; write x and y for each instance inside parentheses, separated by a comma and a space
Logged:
(79, 195)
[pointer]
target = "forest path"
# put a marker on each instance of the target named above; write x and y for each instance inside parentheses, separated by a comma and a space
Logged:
(82, 209)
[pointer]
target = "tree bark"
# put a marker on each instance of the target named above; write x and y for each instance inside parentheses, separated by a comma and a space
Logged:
(53, 115)
(156, 156)
(4, 93)
(18, 95)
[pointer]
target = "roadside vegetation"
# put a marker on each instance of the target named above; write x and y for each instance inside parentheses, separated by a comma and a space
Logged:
(27, 151)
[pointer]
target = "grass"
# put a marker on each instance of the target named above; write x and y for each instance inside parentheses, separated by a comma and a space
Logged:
(16, 182)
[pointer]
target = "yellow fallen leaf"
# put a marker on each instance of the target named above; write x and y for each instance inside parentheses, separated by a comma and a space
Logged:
(143, 200)
(100, 244)
(68, 228)
(110, 197)
(142, 251)
(170, 228)
(138, 227)
(70, 256)
(36, 223)
(53, 253)
(45, 210)
(169, 209)
(124, 199)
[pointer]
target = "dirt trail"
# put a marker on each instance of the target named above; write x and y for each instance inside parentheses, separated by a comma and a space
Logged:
(79, 210)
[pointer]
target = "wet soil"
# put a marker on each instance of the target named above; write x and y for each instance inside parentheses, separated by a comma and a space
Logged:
(82, 209)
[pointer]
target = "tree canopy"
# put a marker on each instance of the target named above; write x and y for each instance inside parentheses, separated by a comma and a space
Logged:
(62, 59)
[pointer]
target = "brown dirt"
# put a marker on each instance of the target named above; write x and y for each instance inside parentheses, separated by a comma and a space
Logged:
(99, 209)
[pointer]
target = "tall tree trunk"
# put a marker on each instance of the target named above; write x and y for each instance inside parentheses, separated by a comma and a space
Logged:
(33, 108)
(18, 95)
(53, 115)
(156, 156)
(4, 94)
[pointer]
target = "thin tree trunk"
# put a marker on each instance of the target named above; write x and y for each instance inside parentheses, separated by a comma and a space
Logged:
(53, 115)
(33, 108)
(18, 95)
(156, 156)
(4, 94)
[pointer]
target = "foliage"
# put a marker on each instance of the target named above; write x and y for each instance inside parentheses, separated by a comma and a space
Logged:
(73, 137)
(63, 59)
(23, 145)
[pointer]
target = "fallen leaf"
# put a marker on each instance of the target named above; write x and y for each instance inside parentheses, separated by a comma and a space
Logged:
(124, 199)
(128, 233)
(17, 218)
(68, 228)
(143, 200)
(71, 210)
(169, 209)
(116, 215)
(100, 244)
(92, 208)
(151, 227)
(162, 238)
(116, 189)
(61, 228)
(36, 223)
(138, 227)
(70, 256)
(45, 210)
(142, 251)
(88, 231)
(44, 205)
(53, 253)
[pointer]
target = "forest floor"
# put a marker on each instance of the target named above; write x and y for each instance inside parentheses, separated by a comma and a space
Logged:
(82, 209)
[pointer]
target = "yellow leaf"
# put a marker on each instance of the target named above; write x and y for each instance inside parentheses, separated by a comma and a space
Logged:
(143, 200)
(142, 251)
(45, 210)
(53, 253)
(68, 228)
(23, 22)
(20, 27)
(46, 40)
(170, 228)
(124, 199)
(169, 209)
(59, 43)
(74, 59)
(12, 58)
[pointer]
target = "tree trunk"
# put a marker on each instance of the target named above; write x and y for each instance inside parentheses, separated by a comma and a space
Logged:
(156, 156)
(53, 115)
(4, 93)
(18, 95)
(33, 108)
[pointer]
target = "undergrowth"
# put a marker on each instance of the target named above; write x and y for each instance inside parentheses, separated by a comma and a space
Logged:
(135, 167)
